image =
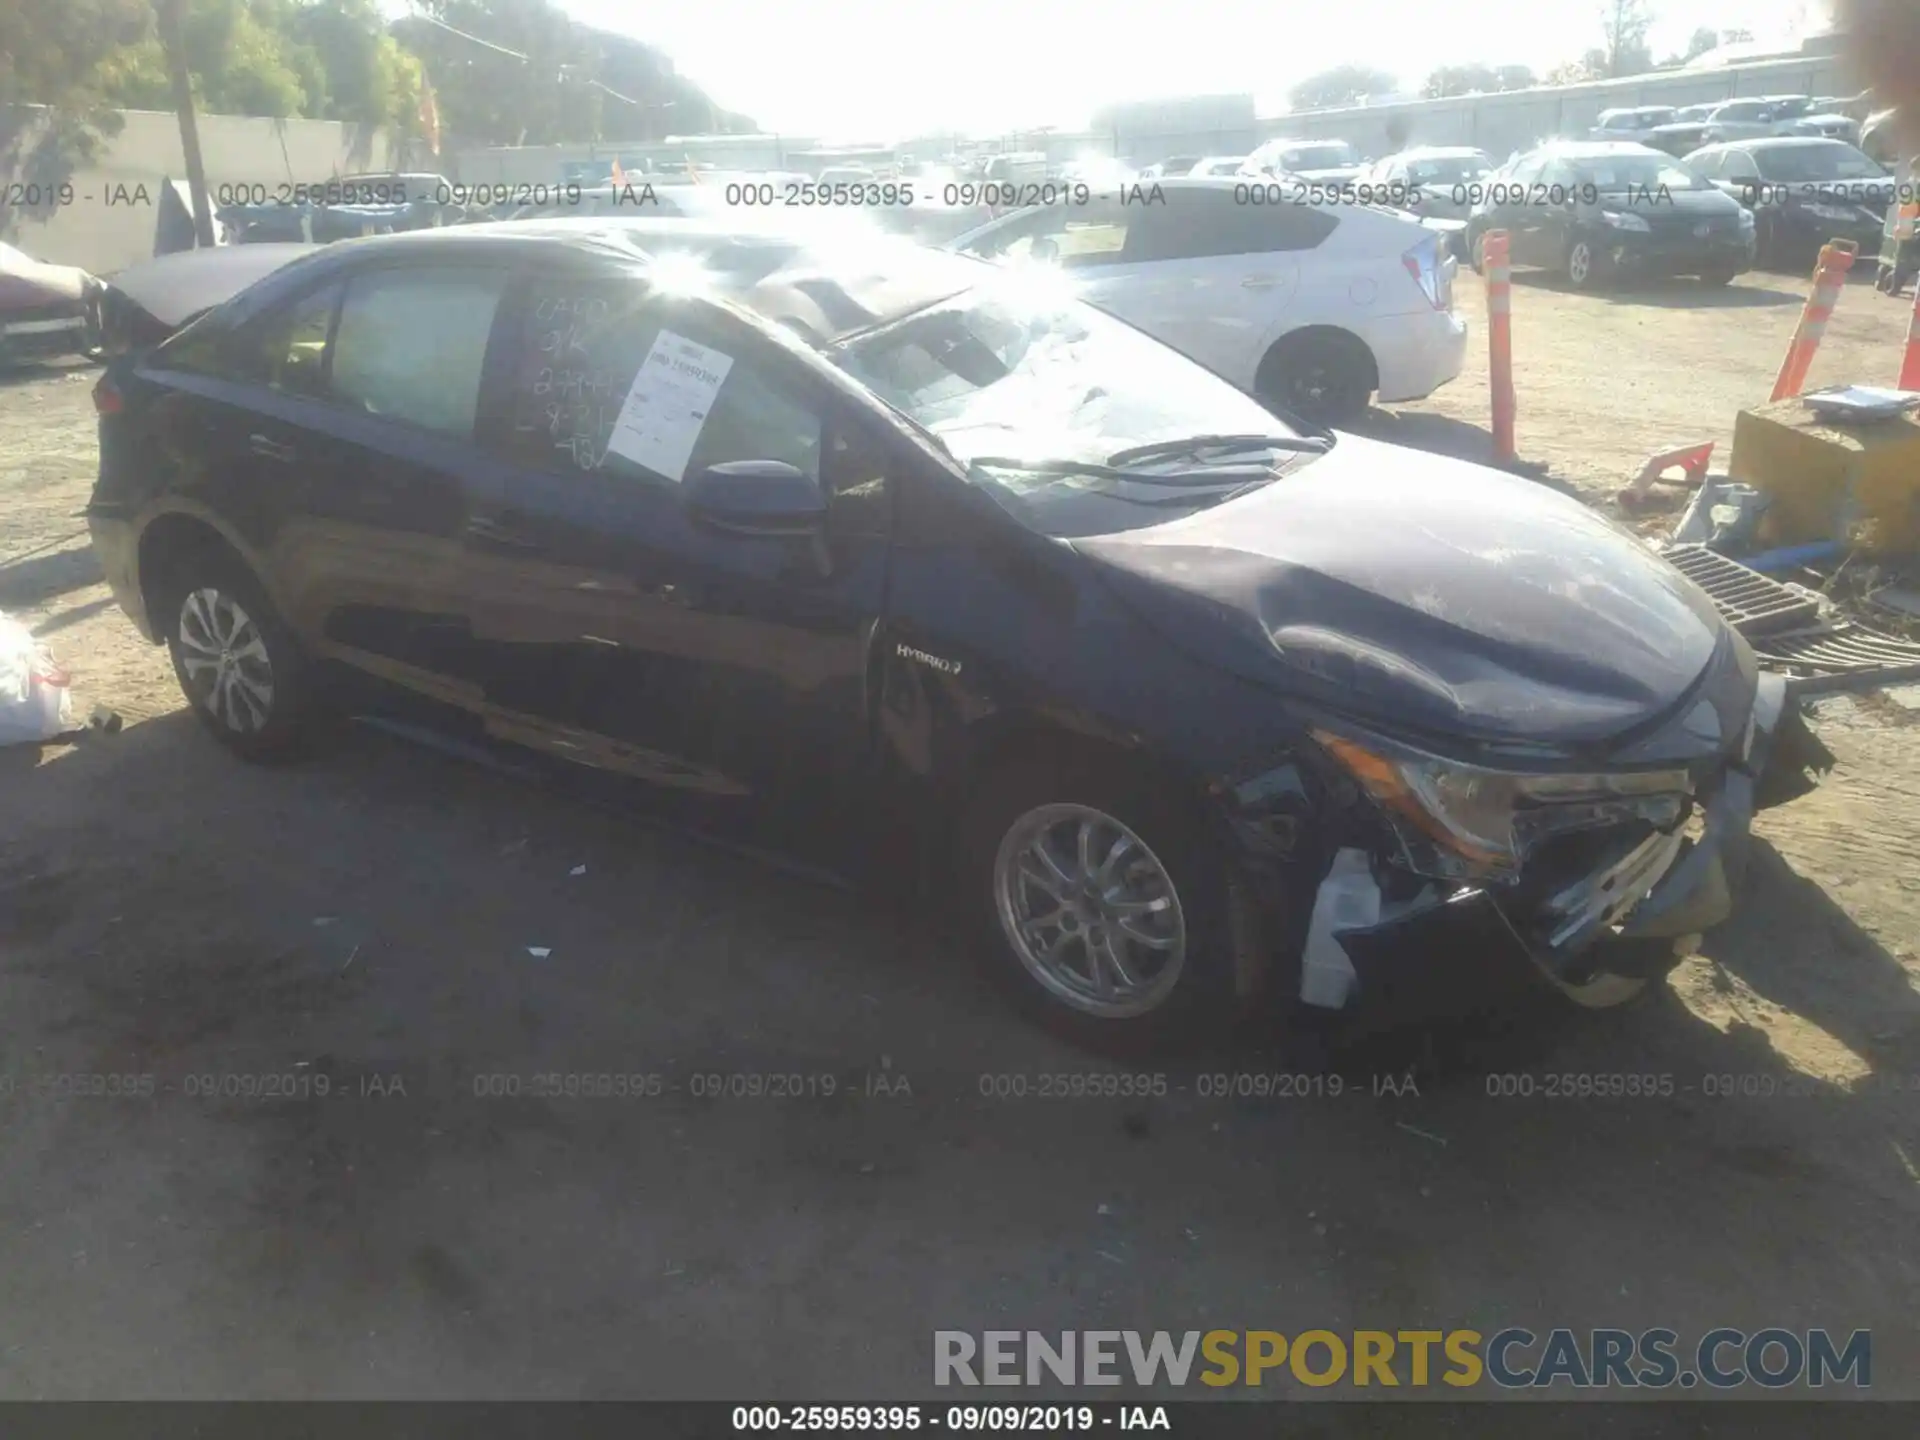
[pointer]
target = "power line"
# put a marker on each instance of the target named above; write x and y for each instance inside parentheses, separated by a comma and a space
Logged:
(528, 59)
(475, 39)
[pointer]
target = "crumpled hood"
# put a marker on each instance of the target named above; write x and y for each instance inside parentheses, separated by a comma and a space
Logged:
(1425, 595)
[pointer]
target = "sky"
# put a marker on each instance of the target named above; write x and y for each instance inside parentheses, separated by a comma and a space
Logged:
(885, 69)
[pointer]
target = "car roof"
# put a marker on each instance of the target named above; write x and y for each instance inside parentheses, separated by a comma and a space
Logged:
(833, 284)
(1782, 142)
(1600, 149)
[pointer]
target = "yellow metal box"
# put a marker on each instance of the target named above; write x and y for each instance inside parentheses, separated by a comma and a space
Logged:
(1859, 484)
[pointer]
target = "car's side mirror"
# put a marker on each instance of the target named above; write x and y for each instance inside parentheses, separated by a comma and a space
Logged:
(756, 497)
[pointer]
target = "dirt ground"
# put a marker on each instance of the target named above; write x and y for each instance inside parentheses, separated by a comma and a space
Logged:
(365, 919)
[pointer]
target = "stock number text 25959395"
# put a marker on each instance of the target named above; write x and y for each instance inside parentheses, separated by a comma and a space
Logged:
(812, 193)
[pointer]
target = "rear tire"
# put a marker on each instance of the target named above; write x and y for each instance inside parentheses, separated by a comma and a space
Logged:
(239, 666)
(1326, 377)
(1100, 904)
(1718, 278)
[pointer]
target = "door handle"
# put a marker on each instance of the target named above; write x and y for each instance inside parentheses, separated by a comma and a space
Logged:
(491, 532)
(270, 449)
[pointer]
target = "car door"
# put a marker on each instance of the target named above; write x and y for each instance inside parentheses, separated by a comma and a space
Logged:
(613, 627)
(1517, 210)
(1551, 215)
(1739, 176)
(385, 464)
(340, 439)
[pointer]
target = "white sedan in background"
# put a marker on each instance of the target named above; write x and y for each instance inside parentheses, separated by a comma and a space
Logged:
(1314, 309)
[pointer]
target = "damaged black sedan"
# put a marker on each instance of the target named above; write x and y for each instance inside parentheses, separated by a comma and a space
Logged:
(938, 573)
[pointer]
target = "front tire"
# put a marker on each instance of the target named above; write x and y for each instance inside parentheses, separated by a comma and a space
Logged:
(1625, 970)
(1718, 278)
(239, 666)
(1100, 903)
(1584, 265)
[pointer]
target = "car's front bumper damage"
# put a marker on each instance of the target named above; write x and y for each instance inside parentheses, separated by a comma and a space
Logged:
(1455, 949)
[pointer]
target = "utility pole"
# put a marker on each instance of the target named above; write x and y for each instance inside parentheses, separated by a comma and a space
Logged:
(168, 14)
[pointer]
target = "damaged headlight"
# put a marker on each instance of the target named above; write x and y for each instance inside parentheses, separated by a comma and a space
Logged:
(1460, 822)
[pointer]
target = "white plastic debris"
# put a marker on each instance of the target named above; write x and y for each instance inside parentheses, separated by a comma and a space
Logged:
(578, 870)
(539, 952)
(36, 701)
(1347, 899)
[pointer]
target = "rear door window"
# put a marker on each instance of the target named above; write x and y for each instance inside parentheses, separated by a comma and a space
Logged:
(1077, 236)
(1199, 224)
(410, 345)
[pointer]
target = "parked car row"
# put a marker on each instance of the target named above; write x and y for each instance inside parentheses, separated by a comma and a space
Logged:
(1682, 131)
(932, 571)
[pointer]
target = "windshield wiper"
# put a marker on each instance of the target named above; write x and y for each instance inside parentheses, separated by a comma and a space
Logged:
(1194, 444)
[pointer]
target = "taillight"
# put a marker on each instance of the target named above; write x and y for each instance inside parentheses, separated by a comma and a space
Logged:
(106, 397)
(1423, 264)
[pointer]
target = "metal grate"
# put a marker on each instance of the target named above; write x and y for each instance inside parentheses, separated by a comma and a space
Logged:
(1783, 624)
(1754, 604)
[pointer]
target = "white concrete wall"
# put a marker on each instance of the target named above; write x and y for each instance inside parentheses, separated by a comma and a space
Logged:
(1516, 119)
(236, 149)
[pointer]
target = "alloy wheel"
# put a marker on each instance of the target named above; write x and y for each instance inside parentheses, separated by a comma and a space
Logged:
(1580, 263)
(1090, 911)
(224, 660)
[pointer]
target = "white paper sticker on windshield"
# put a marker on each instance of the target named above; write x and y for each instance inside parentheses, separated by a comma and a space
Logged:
(666, 406)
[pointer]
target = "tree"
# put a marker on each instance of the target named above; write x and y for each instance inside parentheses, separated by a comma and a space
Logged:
(1623, 51)
(1476, 79)
(1571, 72)
(356, 57)
(522, 73)
(1342, 85)
(240, 58)
(1704, 39)
(51, 52)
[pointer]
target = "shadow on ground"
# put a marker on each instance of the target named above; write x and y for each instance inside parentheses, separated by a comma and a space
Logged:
(167, 910)
(33, 580)
(1749, 292)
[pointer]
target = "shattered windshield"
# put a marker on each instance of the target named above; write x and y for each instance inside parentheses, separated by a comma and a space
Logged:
(1006, 371)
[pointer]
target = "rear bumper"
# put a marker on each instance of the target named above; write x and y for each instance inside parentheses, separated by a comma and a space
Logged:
(1416, 353)
(1659, 255)
(1801, 232)
(117, 547)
